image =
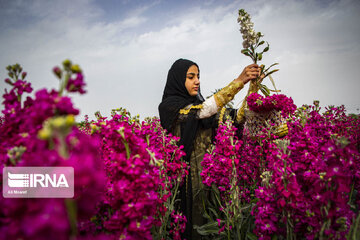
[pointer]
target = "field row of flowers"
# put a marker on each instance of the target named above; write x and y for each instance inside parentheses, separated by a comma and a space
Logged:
(125, 171)
(128, 172)
(302, 186)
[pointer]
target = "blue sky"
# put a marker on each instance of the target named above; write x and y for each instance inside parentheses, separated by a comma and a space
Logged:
(125, 48)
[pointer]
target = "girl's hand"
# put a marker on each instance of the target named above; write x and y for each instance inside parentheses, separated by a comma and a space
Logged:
(250, 72)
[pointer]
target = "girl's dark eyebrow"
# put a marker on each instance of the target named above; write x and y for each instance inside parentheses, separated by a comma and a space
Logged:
(193, 74)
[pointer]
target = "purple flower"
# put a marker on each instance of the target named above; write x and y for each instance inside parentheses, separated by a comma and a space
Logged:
(76, 84)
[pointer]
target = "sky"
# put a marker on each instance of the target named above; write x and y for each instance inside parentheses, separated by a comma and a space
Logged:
(126, 47)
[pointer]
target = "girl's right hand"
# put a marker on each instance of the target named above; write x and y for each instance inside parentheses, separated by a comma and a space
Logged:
(250, 72)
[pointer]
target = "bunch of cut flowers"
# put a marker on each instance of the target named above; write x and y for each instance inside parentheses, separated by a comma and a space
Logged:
(260, 111)
(277, 102)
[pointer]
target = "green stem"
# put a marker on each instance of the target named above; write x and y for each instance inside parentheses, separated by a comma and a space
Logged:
(71, 211)
(356, 227)
(228, 231)
(166, 218)
(126, 144)
(64, 83)
(238, 232)
(63, 151)
(351, 193)
(175, 193)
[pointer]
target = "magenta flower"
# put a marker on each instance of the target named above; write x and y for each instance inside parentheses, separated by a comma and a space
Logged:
(76, 84)
(279, 102)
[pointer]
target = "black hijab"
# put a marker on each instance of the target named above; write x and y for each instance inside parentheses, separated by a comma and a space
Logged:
(176, 96)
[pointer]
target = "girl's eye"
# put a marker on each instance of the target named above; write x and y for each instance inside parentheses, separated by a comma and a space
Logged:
(190, 78)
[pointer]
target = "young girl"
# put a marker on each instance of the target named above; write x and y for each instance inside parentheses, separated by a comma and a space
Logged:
(185, 113)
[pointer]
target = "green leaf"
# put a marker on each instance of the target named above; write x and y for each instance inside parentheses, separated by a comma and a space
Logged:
(259, 56)
(245, 50)
(215, 189)
(266, 49)
(246, 207)
(271, 72)
(251, 236)
(207, 229)
(271, 66)
(261, 43)
(252, 48)
(265, 90)
(247, 54)
(207, 216)
(214, 212)
(273, 83)
(262, 66)
(274, 237)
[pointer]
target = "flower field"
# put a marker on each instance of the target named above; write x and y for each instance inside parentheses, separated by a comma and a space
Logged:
(304, 185)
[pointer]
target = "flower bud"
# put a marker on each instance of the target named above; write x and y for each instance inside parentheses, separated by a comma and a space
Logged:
(23, 75)
(44, 133)
(58, 122)
(57, 72)
(69, 120)
(8, 81)
(67, 63)
(94, 128)
(75, 68)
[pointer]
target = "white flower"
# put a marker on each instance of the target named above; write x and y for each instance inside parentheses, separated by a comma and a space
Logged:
(246, 44)
(246, 28)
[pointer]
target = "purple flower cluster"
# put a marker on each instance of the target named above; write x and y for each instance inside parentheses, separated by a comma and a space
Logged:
(305, 184)
(143, 165)
(234, 174)
(217, 165)
(76, 84)
(279, 102)
(28, 137)
(177, 225)
(125, 190)
(228, 153)
(132, 179)
(313, 178)
(168, 151)
(172, 173)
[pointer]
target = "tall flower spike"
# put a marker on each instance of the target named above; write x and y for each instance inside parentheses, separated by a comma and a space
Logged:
(246, 28)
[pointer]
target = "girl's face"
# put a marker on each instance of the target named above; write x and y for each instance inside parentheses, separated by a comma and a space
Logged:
(192, 82)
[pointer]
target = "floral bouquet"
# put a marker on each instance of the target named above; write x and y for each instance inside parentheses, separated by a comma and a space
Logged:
(259, 111)
(279, 102)
(269, 112)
